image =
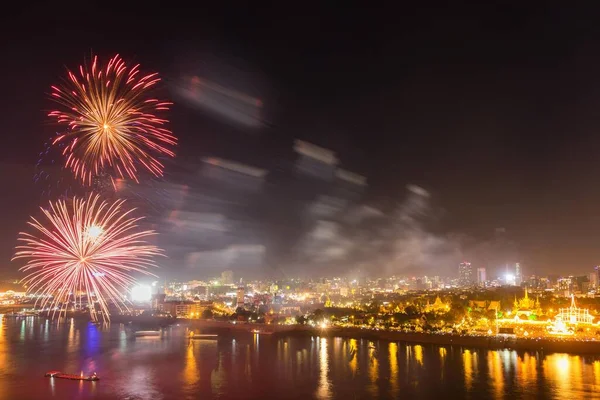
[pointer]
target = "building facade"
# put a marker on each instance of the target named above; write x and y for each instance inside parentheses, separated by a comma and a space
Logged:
(481, 277)
(466, 275)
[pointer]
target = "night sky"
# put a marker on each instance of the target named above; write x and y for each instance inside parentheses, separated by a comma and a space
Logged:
(494, 110)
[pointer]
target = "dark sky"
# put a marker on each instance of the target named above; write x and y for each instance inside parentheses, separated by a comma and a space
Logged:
(493, 109)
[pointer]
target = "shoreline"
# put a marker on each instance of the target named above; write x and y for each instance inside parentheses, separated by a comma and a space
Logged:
(547, 345)
(483, 342)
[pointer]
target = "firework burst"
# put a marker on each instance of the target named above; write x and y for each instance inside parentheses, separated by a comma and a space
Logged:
(112, 121)
(86, 247)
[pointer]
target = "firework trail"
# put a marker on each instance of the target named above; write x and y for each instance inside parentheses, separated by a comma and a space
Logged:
(48, 174)
(86, 246)
(112, 122)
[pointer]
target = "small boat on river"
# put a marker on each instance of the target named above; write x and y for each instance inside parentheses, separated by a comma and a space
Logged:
(205, 336)
(259, 332)
(60, 375)
(147, 333)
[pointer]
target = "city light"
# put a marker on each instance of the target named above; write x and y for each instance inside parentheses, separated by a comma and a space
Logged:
(141, 293)
(509, 279)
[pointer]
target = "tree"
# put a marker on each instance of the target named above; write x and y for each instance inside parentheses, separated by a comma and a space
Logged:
(207, 314)
(317, 315)
(411, 310)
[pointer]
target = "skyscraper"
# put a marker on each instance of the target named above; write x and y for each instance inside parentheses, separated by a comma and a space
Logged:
(240, 296)
(596, 279)
(518, 275)
(466, 277)
(481, 278)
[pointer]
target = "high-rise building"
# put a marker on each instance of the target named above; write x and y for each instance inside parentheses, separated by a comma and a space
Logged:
(240, 296)
(565, 286)
(481, 278)
(597, 276)
(466, 277)
(518, 274)
(581, 283)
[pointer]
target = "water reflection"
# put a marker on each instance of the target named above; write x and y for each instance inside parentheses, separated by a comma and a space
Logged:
(3, 358)
(468, 368)
(353, 346)
(442, 356)
(295, 367)
(419, 354)
(496, 375)
(323, 389)
(218, 378)
(526, 371)
(556, 368)
(393, 357)
(373, 370)
(191, 376)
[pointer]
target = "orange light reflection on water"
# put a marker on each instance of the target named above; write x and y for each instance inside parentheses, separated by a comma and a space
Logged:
(468, 368)
(567, 374)
(419, 354)
(323, 389)
(443, 353)
(353, 356)
(373, 370)
(496, 374)
(3, 356)
(191, 376)
(393, 356)
(526, 371)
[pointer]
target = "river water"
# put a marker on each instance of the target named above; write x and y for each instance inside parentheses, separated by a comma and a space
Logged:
(247, 366)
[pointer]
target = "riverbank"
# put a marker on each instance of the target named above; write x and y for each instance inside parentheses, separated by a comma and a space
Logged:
(548, 345)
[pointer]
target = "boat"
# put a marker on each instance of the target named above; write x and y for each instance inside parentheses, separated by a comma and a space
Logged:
(60, 375)
(206, 336)
(259, 332)
(147, 333)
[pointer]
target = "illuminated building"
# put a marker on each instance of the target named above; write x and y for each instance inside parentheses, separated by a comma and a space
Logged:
(240, 296)
(481, 278)
(518, 274)
(575, 315)
(186, 309)
(581, 283)
(594, 278)
(526, 306)
(12, 289)
(437, 306)
(466, 277)
(158, 301)
(565, 286)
